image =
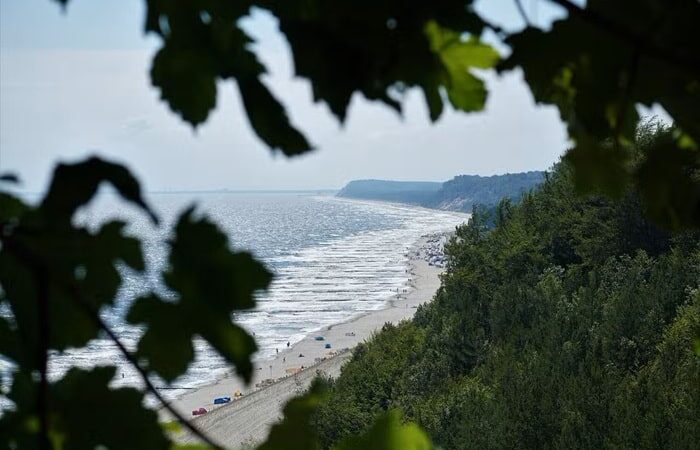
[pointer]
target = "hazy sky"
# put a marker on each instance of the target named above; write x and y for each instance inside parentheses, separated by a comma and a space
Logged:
(77, 83)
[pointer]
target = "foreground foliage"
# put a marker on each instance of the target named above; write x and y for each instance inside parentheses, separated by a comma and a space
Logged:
(569, 325)
(56, 278)
(602, 61)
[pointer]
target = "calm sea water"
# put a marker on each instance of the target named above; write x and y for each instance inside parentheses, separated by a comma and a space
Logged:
(332, 259)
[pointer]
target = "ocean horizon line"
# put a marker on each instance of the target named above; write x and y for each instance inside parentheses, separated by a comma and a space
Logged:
(207, 191)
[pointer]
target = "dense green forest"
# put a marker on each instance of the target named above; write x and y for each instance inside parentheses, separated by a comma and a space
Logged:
(460, 193)
(569, 324)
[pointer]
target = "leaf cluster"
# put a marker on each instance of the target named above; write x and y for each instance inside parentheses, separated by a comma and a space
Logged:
(596, 65)
(540, 316)
(57, 277)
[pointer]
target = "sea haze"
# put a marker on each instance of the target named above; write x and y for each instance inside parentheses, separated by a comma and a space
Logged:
(332, 258)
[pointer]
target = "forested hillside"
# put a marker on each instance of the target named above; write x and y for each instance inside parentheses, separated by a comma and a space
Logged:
(570, 324)
(458, 194)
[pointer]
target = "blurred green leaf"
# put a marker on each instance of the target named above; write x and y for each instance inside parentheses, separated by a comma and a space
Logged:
(187, 82)
(202, 43)
(73, 185)
(44, 257)
(172, 426)
(79, 265)
(11, 209)
(269, 120)
(84, 413)
(9, 178)
(388, 433)
(668, 181)
(190, 447)
(433, 99)
(210, 282)
(465, 91)
(596, 75)
(599, 167)
(166, 347)
(343, 49)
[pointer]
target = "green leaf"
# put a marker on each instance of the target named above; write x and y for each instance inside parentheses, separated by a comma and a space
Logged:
(269, 119)
(433, 100)
(165, 344)
(187, 82)
(43, 257)
(11, 209)
(190, 447)
(73, 185)
(203, 44)
(388, 433)
(597, 76)
(342, 49)
(599, 168)
(9, 178)
(79, 271)
(295, 431)
(668, 181)
(210, 282)
(84, 413)
(465, 91)
(451, 46)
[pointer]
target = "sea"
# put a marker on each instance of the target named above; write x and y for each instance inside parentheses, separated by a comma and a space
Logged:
(332, 259)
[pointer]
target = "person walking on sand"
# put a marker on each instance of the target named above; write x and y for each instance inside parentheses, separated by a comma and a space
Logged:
(287, 344)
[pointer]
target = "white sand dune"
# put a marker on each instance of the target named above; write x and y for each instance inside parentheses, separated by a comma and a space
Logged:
(248, 420)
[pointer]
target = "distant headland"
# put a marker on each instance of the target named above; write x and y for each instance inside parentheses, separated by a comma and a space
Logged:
(460, 193)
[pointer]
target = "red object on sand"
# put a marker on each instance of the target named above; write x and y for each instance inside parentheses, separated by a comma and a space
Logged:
(199, 412)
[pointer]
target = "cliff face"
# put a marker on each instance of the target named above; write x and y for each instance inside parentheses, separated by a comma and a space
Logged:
(458, 194)
(411, 192)
(464, 191)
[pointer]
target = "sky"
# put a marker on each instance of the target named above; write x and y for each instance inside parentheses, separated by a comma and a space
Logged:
(75, 83)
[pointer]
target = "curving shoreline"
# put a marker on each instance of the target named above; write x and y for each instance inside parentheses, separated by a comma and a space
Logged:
(248, 420)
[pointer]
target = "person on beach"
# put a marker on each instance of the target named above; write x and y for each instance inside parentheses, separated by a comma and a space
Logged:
(287, 344)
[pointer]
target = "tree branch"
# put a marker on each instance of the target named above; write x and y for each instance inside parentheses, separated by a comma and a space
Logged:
(521, 10)
(144, 375)
(42, 403)
(629, 36)
(41, 272)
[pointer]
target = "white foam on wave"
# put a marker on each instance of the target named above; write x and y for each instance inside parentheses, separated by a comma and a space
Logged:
(341, 278)
(329, 281)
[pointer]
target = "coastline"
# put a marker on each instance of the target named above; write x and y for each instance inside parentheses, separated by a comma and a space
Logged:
(276, 380)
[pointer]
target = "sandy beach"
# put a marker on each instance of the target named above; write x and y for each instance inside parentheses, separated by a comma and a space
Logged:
(247, 420)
